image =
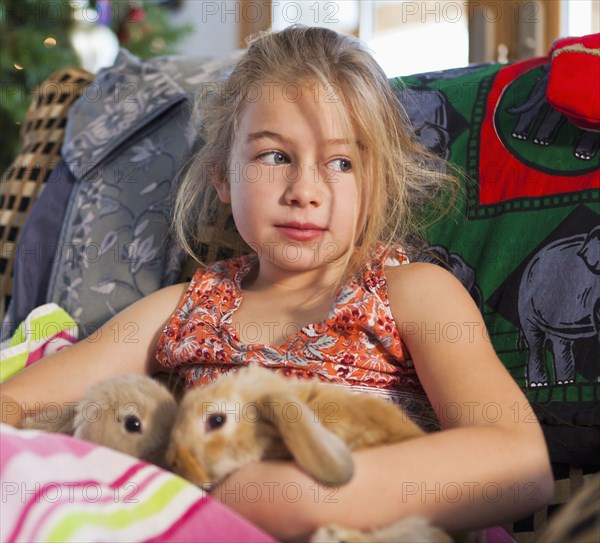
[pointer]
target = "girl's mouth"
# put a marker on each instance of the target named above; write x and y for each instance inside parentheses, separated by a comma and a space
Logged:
(300, 231)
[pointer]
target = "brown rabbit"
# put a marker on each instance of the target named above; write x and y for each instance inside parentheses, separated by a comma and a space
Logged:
(133, 414)
(256, 414)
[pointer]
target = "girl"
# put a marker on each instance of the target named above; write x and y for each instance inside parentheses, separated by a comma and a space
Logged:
(306, 143)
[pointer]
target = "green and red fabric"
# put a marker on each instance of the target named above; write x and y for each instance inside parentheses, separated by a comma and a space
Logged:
(525, 234)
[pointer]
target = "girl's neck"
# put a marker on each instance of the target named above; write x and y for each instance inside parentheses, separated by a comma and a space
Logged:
(265, 277)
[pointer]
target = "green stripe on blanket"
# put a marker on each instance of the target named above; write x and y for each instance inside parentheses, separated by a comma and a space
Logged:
(45, 330)
(152, 503)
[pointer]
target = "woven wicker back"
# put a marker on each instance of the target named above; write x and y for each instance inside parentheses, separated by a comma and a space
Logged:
(42, 134)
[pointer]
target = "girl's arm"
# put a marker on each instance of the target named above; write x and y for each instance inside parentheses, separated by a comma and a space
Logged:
(489, 465)
(125, 344)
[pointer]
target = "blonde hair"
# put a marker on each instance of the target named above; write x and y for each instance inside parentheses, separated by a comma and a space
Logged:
(398, 181)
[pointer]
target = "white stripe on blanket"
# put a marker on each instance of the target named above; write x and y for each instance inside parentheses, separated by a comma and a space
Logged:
(47, 329)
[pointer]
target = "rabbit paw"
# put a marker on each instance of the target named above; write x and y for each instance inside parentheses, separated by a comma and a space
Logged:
(413, 530)
(333, 533)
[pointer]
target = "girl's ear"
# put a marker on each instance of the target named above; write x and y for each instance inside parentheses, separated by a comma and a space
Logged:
(222, 187)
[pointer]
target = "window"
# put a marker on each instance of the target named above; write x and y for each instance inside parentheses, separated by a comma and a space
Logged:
(409, 37)
(405, 36)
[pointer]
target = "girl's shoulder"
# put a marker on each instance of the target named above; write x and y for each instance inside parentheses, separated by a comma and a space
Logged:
(164, 297)
(415, 271)
(419, 289)
(417, 276)
(154, 310)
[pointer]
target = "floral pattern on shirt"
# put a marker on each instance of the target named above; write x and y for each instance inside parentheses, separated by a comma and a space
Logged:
(358, 345)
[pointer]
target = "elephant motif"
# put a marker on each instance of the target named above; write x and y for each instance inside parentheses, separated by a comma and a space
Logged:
(529, 110)
(559, 304)
(536, 105)
(427, 111)
(588, 144)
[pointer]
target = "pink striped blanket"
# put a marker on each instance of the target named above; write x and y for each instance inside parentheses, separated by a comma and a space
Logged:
(56, 488)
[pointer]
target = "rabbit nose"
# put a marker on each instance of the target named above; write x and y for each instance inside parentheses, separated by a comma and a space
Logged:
(171, 458)
(184, 463)
(175, 459)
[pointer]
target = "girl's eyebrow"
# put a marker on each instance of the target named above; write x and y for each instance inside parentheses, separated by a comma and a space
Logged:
(253, 136)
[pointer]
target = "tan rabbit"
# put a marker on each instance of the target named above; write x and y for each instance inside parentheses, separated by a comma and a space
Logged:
(257, 414)
(133, 414)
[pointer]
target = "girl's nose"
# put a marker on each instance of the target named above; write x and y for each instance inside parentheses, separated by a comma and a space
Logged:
(303, 186)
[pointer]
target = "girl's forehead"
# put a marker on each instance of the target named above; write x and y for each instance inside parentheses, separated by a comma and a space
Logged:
(294, 106)
(292, 91)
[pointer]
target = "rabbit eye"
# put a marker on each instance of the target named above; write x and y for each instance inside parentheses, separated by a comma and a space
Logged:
(133, 425)
(215, 421)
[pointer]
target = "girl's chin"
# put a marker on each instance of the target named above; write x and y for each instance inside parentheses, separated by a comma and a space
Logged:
(303, 256)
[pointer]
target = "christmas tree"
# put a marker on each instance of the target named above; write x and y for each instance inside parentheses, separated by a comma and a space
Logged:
(35, 42)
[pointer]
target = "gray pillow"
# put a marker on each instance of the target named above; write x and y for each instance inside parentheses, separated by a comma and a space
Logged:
(127, 137)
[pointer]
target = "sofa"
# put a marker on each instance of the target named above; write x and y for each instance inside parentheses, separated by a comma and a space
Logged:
(85, 213)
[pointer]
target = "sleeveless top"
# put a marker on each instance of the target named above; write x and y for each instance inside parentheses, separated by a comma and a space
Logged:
(357, 346)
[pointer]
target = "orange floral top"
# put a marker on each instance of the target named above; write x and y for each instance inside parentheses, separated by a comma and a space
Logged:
(358, 345)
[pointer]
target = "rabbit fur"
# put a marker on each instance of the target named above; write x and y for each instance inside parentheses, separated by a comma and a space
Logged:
(132, 414)
(410, 530)
(256, 414)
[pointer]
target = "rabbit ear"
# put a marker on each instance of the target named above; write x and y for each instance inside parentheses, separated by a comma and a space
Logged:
(61, 421)
(323, 455)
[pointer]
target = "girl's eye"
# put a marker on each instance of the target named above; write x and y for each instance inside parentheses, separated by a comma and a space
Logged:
(274, 157)
(341, 165)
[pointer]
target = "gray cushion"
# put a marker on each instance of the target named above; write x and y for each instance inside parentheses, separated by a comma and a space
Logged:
(127, 137)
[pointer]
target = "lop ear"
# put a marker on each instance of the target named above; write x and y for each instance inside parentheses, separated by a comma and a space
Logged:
(62, 421)
(322, 454)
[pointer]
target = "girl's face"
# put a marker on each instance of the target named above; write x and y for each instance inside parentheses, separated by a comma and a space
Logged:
(290, 182)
